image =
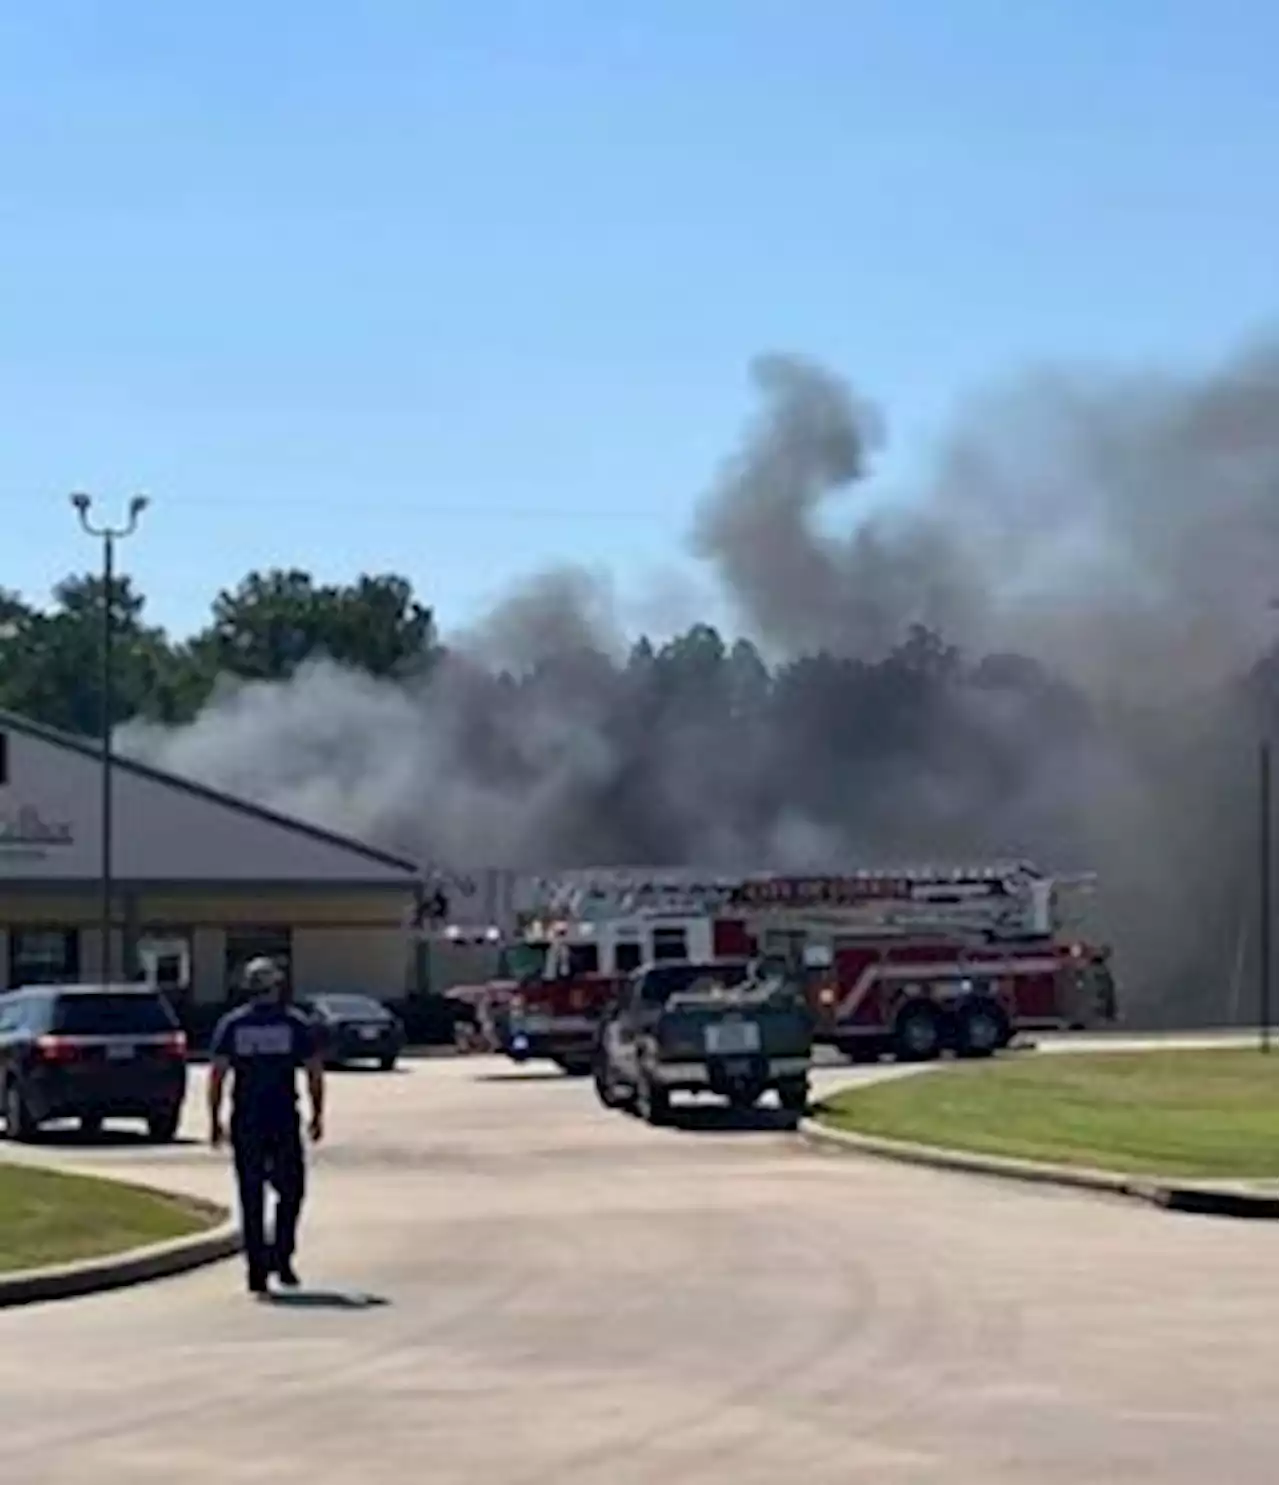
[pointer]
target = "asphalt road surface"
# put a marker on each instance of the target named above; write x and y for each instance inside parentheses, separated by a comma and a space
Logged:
(507, 1285)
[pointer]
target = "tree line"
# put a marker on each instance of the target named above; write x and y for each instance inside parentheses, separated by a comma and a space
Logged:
(822, 737)
(272, 623)
(819, 734)
(263, 629)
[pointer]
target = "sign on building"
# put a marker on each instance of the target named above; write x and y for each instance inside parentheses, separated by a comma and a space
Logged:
(30, 835)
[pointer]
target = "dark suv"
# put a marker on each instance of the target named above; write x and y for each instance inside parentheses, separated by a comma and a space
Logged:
(90, 1052)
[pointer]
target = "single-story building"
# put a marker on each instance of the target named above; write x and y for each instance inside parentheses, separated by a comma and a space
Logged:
(202, 882)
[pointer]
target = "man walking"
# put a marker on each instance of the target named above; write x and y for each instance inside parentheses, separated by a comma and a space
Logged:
(262, 1045)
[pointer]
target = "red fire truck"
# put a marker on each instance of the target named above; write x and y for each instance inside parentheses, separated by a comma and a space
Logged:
(910, 961)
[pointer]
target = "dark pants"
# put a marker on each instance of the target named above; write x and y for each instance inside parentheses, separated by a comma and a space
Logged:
(269, 1157)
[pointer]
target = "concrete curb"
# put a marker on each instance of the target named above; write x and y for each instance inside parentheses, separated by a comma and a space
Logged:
(1203, 1198)
(134, 1265)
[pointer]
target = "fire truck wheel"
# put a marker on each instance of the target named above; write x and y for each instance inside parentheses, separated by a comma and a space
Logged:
(981, 1029)
(917, 1033)
(653, 1102)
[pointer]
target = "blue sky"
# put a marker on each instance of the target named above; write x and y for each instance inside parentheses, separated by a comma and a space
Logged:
(463, 290)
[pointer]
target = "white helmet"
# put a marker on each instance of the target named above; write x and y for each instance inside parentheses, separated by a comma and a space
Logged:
(263, 973)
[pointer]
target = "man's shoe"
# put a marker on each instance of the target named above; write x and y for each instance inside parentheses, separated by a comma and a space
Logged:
(258, 1284)
(286, 1273)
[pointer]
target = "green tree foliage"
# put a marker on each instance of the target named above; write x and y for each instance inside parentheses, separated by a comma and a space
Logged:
(51, 661)
(274, 621)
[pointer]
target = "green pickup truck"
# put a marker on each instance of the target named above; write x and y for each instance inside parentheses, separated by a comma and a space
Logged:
(725, 1026)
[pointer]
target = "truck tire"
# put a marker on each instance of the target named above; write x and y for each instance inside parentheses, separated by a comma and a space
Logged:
(793, 1095)
(162, 1125)
(917, 1033)
(606, 1086)
(574, 1067)
(981, 1028)
(653, 1102)
(18, 1124)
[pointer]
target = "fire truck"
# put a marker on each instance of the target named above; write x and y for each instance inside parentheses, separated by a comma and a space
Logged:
(910, 961)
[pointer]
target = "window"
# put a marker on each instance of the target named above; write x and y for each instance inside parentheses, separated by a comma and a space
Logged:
(23, 1013)
(164, 958)
(44, 956)
(785, 945)
(522, 961)
(351, 1007)
(657, 986)
(669, 943)
(129, 1012)
(244, 944)
(626, 957)
(584, 959)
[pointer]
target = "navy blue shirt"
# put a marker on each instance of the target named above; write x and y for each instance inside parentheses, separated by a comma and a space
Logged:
(266, 1043)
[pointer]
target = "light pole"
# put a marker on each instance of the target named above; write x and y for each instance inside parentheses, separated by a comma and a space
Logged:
(1267, 903)
(1266, 882)
(108, 535)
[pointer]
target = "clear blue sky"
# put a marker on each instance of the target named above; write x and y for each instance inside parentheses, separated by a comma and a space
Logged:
(464, 289)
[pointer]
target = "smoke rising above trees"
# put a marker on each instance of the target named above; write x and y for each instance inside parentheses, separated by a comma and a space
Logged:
(1063, 646)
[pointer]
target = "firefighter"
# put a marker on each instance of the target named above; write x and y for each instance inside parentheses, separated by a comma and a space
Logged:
(262, 1045)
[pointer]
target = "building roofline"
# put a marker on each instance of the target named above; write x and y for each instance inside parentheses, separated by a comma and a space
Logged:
(89, 748)
(167, 887)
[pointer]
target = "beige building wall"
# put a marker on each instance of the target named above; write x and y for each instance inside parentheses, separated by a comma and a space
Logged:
(91, 965)
(341, 940)
(208, 965)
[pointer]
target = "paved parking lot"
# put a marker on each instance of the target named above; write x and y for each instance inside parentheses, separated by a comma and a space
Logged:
(509, 1286)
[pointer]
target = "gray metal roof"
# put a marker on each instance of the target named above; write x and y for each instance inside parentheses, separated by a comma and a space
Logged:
(91, 748)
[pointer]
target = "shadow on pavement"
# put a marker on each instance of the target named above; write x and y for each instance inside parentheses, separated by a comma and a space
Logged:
(553, 1075)
(327, 1299)
(69, 1136)
(359, 1069)
(708, 1118)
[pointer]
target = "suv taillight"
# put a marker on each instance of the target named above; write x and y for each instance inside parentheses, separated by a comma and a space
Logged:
(175, 1044)
(57, 1049)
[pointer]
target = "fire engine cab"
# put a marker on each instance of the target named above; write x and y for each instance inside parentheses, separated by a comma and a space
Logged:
(910, 961)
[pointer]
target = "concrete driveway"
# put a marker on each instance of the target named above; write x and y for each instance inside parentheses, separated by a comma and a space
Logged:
(512, 1287)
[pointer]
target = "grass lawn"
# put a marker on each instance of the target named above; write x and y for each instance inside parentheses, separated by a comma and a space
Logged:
(1207, 1114)
(50, 1218)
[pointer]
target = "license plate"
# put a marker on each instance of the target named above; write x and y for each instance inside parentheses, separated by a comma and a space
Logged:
(120, 1052)
(725, 1038)
(370, 1033)
(738, 1067)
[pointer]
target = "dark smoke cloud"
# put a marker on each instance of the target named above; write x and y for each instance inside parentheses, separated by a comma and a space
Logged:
(796, 590)
(1109, 542)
